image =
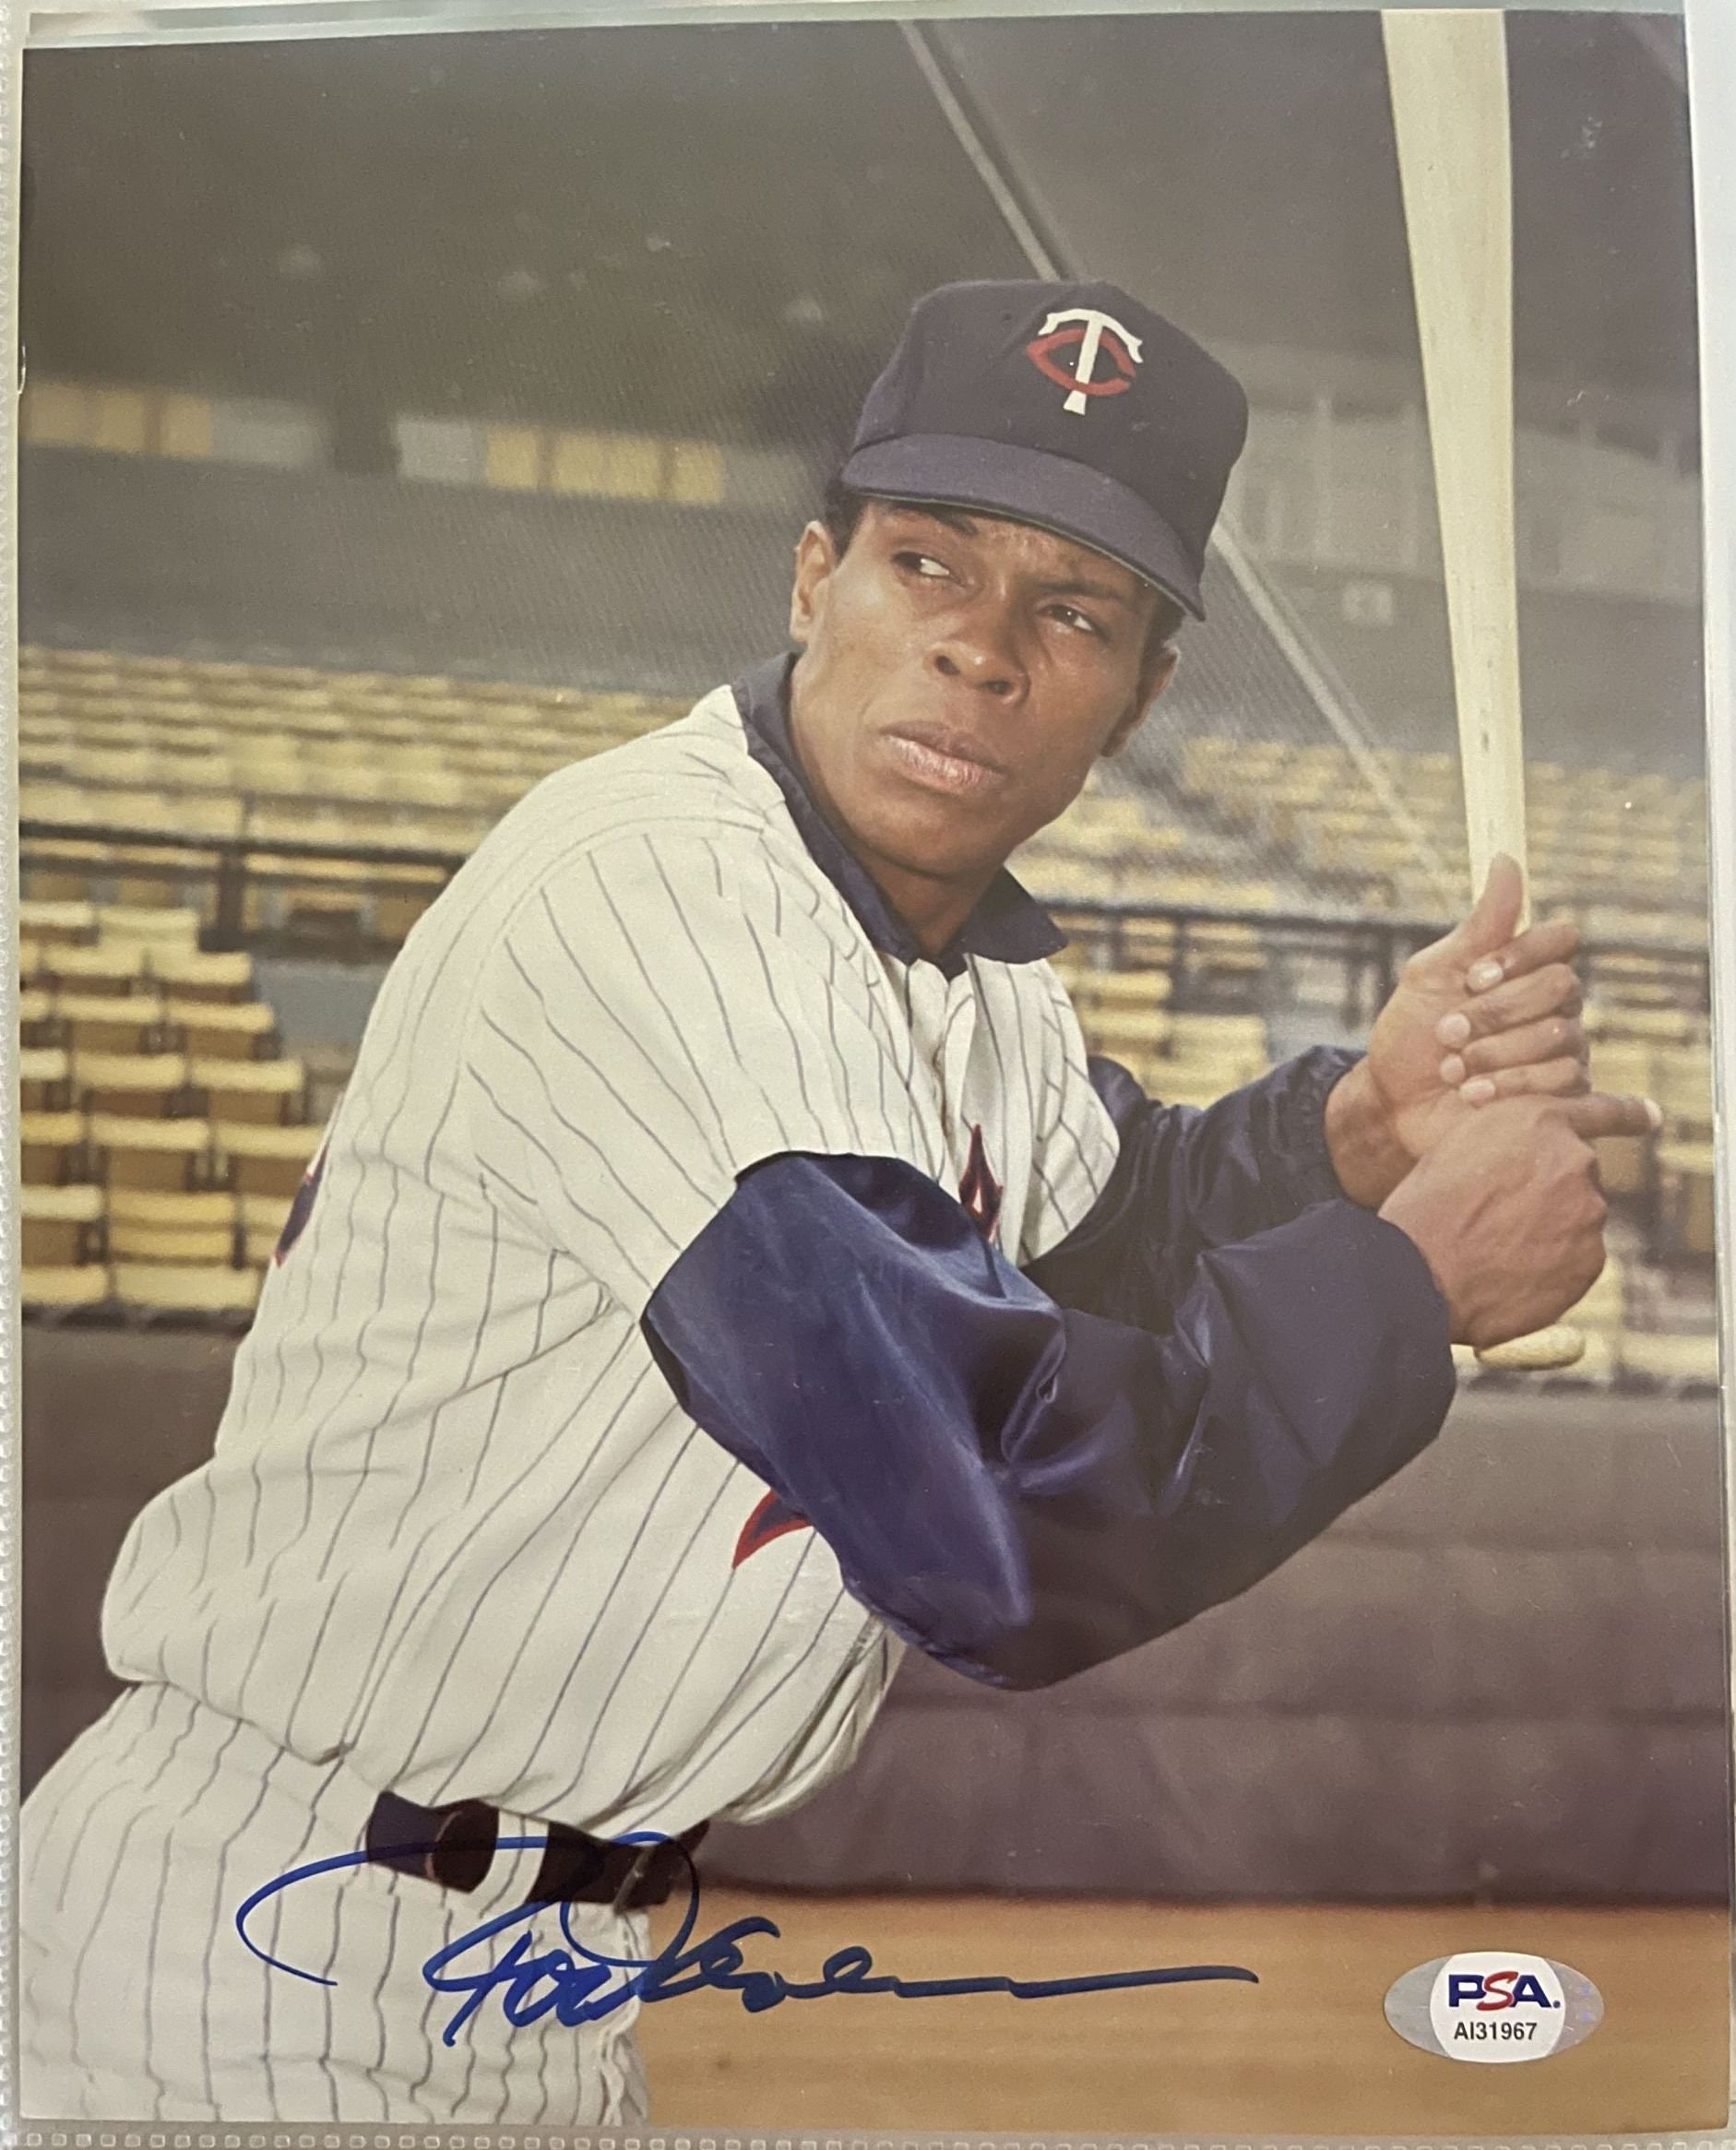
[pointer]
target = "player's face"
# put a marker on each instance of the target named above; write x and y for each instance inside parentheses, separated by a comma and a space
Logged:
(959, 676)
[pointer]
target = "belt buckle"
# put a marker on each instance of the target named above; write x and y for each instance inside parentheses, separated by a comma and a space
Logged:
(630, 1881)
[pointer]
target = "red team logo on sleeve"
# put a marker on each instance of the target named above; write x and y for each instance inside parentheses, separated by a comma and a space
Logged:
(774, 1517)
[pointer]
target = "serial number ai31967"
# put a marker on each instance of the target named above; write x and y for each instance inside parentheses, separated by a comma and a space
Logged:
(1493, 2005)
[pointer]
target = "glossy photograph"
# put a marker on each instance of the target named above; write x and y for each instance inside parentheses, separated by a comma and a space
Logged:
(865, 1140)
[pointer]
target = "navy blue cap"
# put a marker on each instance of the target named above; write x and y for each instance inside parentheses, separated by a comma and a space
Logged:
(1070, 406)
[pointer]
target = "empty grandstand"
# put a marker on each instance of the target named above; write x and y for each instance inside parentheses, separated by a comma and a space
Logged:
(180, 814)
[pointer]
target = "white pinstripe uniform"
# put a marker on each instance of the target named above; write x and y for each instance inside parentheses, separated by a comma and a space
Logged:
(456, 1539)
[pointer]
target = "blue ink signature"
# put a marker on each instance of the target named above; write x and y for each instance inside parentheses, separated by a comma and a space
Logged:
(583, 1984)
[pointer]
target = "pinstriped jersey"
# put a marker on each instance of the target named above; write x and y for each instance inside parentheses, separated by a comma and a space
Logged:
(455, 1527)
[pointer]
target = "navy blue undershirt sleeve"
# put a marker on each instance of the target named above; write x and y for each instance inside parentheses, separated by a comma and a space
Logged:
(1186, 1178)
(1022, 1489)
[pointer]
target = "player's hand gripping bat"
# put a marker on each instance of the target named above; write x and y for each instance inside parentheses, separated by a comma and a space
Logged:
(1447, 71)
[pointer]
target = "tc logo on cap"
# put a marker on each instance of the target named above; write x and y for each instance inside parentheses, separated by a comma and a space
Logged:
(1093, 332)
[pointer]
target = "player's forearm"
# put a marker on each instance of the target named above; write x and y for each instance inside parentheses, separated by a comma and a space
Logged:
(1019, 1490)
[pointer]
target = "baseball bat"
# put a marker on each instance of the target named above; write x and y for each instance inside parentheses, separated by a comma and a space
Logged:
(1447, 74)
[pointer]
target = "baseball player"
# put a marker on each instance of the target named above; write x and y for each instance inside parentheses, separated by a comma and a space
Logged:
(725, 1270)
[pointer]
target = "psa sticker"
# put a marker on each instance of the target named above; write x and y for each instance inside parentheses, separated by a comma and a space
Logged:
(1494, 2005)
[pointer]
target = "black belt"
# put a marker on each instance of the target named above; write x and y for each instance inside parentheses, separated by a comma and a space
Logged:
(455, 1846)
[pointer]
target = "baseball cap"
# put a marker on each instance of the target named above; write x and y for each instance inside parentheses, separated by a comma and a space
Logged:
(1068, 404)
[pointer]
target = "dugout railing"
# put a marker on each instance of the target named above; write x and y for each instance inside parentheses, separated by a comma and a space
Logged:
(281, 895)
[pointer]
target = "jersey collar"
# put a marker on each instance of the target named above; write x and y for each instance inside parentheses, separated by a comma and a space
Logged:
(1008, 924)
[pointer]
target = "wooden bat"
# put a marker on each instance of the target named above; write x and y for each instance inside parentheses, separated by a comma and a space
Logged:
(1447, 73)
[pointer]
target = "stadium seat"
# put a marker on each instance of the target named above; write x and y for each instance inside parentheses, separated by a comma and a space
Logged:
(1664, 1355)
(1601, 1317)
(153, 1226)
(401, 895)
(167, 1287)
(1148, 944)
(1686, 1197)
(169, 1154)
(115, 966)
(1121, 988)
(1196, 1081)
(259, 1160)
(1664, 1024)
(64, 1289)
(37, 1022)
(266, 1090)
(1221, 950)
(106, 1023)
(1233, 1037)
(148, 1085)
(1127, 1033)
(222, 1029)
(57, 1224)
(45, 1078)
(190, 974)
(50, 1147)
(1682, 1083)
(57, 921)
(123, 766)
(173, 929)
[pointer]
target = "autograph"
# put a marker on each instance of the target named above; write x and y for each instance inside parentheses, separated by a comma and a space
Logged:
(581, 1984)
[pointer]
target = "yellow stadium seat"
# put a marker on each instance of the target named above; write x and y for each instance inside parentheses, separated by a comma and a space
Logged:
(265, 1159)
(62, 1289)
(145, 1085)
(334, 911)
(1233, 1037)
(78, 870)
(165, 1154)
(190, 974)
(49, 1145)
(1126, 989)
(1685, 1173)
(401, 895)
(107, 1022)
(163, 1226)
(264, 1090)
(1127, 1033)
(1665, 1024)
(37, 1025)
(45, 1078)
(165, 1287)
(149, 927)
(1604, 1307)
(1682, 1083)
(1197, 1079)
(222, 1029)
(1148, 944)
(114, 966)
(1623, 1065)
(123, 766)
(57, 921)
(57, 1224)
(1659, 1355)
